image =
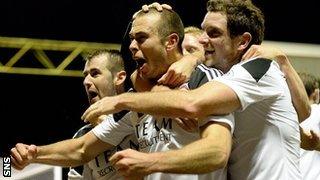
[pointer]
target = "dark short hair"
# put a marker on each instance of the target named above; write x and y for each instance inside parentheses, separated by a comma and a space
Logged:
(242, 16)
(114, 56)
(310, 82)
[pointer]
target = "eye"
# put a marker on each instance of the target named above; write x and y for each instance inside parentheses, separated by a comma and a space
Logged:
(141, 38)
(213, 33)
(94, 73)
(191, 49)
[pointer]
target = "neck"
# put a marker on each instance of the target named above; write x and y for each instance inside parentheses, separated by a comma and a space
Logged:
(228, 65)
(175, 56)
(119, 90)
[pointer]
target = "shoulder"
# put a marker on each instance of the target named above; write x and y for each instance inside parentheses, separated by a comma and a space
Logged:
(257, 68)
(120, 115)
(203, 74)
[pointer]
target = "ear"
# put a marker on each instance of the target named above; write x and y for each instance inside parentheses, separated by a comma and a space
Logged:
(172, 41)
(120, 78)
(244, 41)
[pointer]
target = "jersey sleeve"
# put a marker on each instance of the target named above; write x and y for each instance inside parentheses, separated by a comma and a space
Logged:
(82, 131)
(74, 175)
(112, 131)
(254, 81)
(226, 119)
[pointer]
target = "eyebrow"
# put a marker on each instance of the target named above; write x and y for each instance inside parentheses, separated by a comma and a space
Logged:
(137, 33)
(89, 70)
(213, 28)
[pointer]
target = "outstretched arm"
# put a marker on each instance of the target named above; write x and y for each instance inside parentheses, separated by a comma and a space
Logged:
(298, 93)
(211, 98)
(72, 152)
(209, 153)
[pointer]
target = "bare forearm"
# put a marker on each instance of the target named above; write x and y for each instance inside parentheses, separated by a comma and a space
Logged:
(195, 158)
(207, 154)
(156, 103)
(65, 153)
(299, 96)
(211, 98)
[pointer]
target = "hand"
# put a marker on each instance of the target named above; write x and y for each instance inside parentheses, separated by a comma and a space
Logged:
(99, 120)
(106, 105)
(145, 8)
(188, 124)
(22, 155)
(263, 51)
(179, 72)
(132, 163)
(268, 52)
(310, 140)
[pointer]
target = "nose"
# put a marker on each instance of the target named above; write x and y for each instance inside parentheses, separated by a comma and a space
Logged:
(133, 47)
(87, 81)
(204, 39)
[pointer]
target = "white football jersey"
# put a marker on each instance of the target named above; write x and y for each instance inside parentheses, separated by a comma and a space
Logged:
(164, 134)
(310, 160)
(157, 134)
(100, 168)
(266, 136)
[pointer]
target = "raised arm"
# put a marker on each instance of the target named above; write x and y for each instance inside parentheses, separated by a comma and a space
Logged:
(72, 152)
(298, 93)
(209, 153)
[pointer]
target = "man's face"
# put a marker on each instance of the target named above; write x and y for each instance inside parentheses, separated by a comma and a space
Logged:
(147, 48)
(219, 48)
(98, 80)
(191, 45)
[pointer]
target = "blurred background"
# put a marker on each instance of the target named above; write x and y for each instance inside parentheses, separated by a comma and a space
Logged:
(42, 109)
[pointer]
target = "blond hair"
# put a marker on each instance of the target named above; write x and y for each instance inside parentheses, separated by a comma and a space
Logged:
(193, 30)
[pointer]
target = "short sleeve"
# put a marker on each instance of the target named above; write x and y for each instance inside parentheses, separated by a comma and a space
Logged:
(113, 132)
(227, 119)
(254, 81)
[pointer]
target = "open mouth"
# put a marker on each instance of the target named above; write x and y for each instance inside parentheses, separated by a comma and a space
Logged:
(92, 95)
(140, 62)
(209, 52)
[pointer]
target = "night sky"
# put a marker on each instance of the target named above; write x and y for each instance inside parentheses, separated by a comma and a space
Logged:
(44, 109)
(105, 21)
